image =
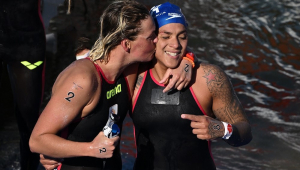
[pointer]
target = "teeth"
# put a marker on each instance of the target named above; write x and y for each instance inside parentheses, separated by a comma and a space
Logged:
(172, 54)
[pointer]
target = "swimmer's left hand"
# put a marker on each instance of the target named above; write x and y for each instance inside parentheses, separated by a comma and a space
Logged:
(178, 78)
(49, 163)
(205, 127)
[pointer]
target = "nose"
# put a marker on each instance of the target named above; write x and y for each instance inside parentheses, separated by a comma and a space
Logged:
(175, 43)
(155, 40)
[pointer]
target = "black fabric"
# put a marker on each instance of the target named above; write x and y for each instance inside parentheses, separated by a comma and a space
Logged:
(164, 140)
(67, 167)
(22, 38)
(90, 126)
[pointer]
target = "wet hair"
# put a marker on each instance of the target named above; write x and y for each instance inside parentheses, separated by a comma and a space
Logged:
(120, 20)
(83, 43)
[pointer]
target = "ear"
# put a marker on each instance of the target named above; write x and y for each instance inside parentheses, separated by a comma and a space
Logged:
(126, 45)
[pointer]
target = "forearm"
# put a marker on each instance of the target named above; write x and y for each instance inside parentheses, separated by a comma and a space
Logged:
(57, 147)
(241, 134)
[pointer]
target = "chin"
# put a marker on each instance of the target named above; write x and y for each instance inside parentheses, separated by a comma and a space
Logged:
(172, 65)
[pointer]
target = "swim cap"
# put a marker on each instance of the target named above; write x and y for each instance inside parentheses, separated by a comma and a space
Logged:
(167, 13)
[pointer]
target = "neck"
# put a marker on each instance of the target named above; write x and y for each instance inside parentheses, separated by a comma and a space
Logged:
(158, 69)
(115, 66)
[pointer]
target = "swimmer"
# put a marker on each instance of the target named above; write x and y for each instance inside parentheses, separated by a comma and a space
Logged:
(175, 130)
(71, 124)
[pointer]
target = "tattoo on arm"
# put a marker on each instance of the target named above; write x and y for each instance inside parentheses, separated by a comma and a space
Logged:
(215, 81)
(138, 82)
(77, 86)
(231, 112)
(219, 86)
(70, 96)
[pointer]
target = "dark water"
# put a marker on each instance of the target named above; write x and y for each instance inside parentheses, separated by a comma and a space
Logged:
(256, 42)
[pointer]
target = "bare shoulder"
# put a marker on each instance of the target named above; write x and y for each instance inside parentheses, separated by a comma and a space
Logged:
(224, 103)
(77, 85)
(214, 78)
(79, 74)
(72, 94)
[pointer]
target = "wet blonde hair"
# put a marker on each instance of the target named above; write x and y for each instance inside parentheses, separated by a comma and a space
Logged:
(120, 20)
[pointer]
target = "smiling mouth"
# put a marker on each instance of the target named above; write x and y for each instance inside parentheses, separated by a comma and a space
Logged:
(172, 54)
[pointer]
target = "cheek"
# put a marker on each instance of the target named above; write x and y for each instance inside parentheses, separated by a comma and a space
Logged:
(161, 43)
(184, 44)
(147, 46)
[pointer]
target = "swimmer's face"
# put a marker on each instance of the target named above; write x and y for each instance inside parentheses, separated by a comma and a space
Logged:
(171, 44)
(143, 47)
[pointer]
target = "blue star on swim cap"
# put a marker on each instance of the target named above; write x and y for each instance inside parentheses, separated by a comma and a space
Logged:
(167, 13)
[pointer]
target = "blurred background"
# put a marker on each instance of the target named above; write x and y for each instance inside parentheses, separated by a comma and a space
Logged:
(256, 42)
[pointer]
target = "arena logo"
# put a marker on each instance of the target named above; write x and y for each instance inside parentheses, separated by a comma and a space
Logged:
(111, 93)
(31, 66)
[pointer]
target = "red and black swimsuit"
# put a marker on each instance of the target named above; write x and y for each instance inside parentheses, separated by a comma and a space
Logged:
(164, 140)
(86, 129)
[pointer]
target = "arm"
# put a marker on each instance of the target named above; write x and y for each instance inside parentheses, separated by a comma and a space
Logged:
(70, 99)
(224, 106)
(179, 77)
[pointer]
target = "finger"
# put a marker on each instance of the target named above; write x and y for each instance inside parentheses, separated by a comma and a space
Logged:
(49, 162)
(168, 88)
(200, 131)
(197, 118)
(108, 141)
(198, 125)
(203, 137)
(180, 86)
(101, 133)
(116, 140)
(110, 149)
(171, 84)
(178, 83)
(166, 77)
(112, 141)
(186, 84)
(50, 167)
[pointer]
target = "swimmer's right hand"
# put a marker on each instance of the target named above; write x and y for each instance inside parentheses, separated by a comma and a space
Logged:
(49, 163)
(103, 147)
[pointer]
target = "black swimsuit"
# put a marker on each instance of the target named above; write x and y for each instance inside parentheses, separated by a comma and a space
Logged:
(22, 48)
(86, 129)
(164, 140)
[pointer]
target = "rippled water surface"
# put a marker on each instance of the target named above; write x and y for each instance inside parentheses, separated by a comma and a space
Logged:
(257, 44)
